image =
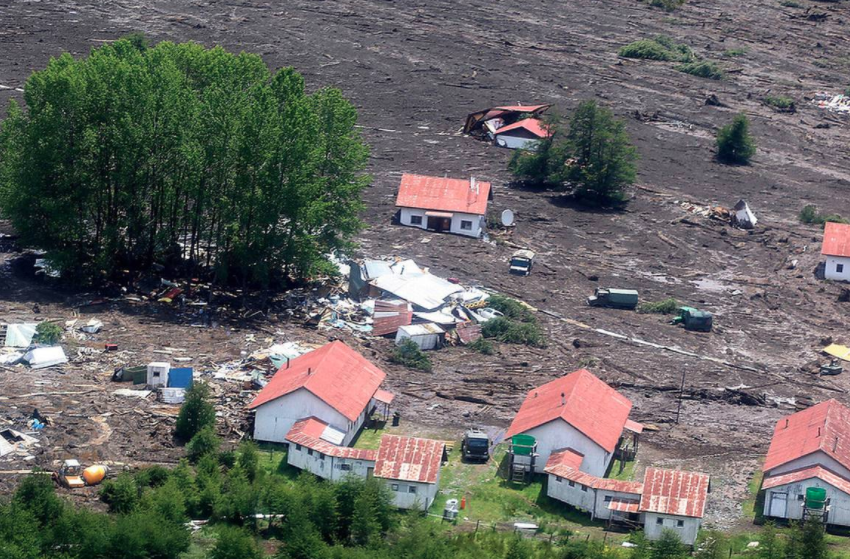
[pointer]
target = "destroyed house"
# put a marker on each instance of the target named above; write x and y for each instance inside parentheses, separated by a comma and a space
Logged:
(579, 412)
(443, 205)
(486, 121)
(334, 384)
(836, 249)
(807, 468)
(524, 134)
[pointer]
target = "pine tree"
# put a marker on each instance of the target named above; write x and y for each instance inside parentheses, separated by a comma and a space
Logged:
(234, 543)
(196, 413)
(734, 143)
(668, 546)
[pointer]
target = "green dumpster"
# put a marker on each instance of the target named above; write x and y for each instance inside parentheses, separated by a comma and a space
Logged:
(815, 497)
(522, 445)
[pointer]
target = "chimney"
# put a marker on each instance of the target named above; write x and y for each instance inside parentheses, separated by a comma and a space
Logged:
(287, 362)
(835, 444)
(786, 422)
(535, 394)
(818, 431)
(563, 399)
(310, 372)
(473, 185)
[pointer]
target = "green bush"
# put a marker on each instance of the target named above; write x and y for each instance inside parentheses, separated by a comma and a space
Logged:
(121, 494)
(483, 345)
(667, 306)
(734, 144)
(731, 53)
(48, 333)
(658, 48)
(204, 443)
(407, 353)
(508, 331)
(196, 412)
(511, 308)
(809, 214)
(702, 69)
(790, 4)
(666, 5)
(780, 102)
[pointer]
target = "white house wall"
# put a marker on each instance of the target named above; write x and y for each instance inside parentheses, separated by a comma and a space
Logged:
(839, 501)
(687, 532)
(404, 499)
(330, 468)
(831, 271)
(516, 142)
(274, 419)
(477, 221)
(818, 458)
(572, 493)
(558, 434)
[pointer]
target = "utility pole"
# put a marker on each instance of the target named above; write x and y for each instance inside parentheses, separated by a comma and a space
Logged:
(681, 394)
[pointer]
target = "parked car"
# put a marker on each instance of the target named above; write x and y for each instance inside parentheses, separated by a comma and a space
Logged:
(487, 313)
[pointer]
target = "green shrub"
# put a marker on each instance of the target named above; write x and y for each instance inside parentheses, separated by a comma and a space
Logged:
(731, 53)
(121, 494)
(48, 333)
(667, 306)
(780, 102)
(660, 47)
(790, 4)
(810, 215)
(511, 308)
(666, 5)
(196, 412)
(734, 143)
(203, 443)
(508, 331)
(702, 69)
(407, 353)
(483, 345)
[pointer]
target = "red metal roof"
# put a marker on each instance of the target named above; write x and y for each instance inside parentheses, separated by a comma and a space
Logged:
(533, 125)
(468, 332)
(634, 426)
(334, 373)
(306, 432)
(824, 427)
(389, 315)
(443, 194)
(674, 492)
(836, 239)
(566, 462)
(624, 505)
(409, 458)
(580, 399)
(384, 397)
(803, 474)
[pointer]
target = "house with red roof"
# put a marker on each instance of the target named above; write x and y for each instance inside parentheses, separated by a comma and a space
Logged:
(523, 134)
(809, 449)
(314, 446)
(578, 412)
(442, 204)
(411, 468)
(836, 248)
(334, 384)
(673, 500)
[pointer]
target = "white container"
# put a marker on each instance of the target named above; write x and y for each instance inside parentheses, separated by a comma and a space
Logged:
(158, 374)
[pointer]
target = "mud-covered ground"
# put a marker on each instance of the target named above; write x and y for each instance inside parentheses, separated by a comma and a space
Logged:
(415, 69)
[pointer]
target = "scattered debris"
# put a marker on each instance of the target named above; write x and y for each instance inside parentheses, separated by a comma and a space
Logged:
(41, 357)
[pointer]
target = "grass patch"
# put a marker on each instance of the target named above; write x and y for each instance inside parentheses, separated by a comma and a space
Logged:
(753, 507)
(780, 103)
(511, 308)
(667, 306)
(407, 353)
(483, 345)
(511, 332)
(790, 4)
(628, 472)
(660, 47)
(703, 69)
(666, 5)
(732, 53)
(271, 458)
(811, 216)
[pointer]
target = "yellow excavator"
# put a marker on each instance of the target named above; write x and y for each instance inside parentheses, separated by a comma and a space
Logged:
(73, 476)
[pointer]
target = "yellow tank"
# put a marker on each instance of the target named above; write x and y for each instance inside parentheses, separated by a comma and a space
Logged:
(94, 474)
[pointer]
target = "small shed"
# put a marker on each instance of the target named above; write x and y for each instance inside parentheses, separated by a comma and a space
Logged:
(673, 500)
(836, 248)
(157, 374)
(426, 336)
(180, 378)
(410, 466)
(742, 216)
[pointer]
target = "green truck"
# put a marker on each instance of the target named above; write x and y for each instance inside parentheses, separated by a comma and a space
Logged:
(694, 319)
(614, 298)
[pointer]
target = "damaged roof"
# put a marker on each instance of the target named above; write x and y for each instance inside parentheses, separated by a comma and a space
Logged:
(674, 492)
(476, 119)
(580, 399)
(334, 373)
(308, 432)
(531, 125)
(443, 194)
(409, 459)
(566, 462)
(836, 239)
(824, 427)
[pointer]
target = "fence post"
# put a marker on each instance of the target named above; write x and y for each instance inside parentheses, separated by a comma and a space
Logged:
(477, 524)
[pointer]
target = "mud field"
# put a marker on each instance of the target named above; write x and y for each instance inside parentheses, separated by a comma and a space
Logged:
(415, 69)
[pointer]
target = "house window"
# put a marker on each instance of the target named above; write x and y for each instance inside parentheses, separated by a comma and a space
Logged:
(321, 456)
(680, 523)
(584, 488)
(800, 497)
(416, 220)
(310, 451)
(395, 487)
(839, 268)
(411, 489)
(608, 498)
(466, 225)
(345, 467)
(298, 447)
(558, 479)
(572, 483)
(659, 521)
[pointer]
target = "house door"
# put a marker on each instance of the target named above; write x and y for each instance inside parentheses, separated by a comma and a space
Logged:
(369, 472)
(439, 224)
(778, 505)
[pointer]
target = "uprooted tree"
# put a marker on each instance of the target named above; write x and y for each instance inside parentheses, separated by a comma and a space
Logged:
(178, 154)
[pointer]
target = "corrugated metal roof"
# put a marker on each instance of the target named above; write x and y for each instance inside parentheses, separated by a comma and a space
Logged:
(443, 194)
(836, 239)
(634, 426)
(618, 485)
(824, 427)
(375, 268)
(422, 329)
(388, 316)
(409, 459)
(533, 125)
(674, 492)
(334, 373)
(819, 472)
(565, 463)
(384, 397)
(424, 290)
(308, 432)
(580, 399)
(624, 505)
(468, 332)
